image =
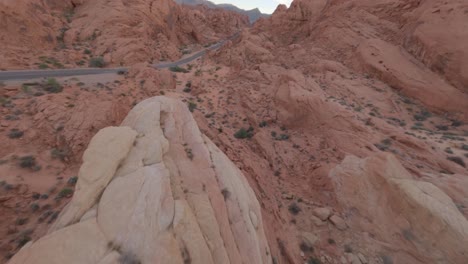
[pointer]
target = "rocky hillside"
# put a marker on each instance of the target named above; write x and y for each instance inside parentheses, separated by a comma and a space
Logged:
(70, 34)
(348, 120)
(253, 14)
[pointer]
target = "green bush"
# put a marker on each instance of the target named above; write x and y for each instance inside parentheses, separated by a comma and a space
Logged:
(178, 69)
(192, 106)
(244, 133)
(52, 86)
(65, 193)
(97, 62)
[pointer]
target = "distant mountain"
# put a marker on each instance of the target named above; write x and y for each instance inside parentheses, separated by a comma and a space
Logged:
(253, 14)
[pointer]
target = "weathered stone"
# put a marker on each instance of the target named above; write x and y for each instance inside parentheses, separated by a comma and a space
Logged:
(309, 239)
(338, 222)
(322, 212)
(158, 205)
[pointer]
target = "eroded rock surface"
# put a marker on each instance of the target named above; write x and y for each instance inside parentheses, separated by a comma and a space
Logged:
(169, 195)
(382, 196)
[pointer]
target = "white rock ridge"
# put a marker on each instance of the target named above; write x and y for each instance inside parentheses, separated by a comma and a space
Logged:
(155, 190)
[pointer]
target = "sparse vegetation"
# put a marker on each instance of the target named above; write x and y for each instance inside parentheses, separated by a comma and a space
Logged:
(422, 116)
(52, 86)
(15, 133)
(226, 193)
(21, 221)
(43, 66)
(65, 192)
(457, 160)
(294, 209)
(192, 106)
(59, 154)
(28, 162)
(449, 150)
(313, 260)
(305, 248)
(244, 133)
(97, 62)
(72, 181)
(34, 207)
(456, 123)
(178, 69)
(384, 144)
(87, 51)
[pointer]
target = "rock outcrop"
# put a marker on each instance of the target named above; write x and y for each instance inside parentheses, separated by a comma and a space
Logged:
(417, 219)
(155, 190)
(124, 33)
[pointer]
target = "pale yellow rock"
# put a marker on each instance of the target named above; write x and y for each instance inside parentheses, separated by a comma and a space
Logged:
(158, 205)
(100, 161)
(79, 243)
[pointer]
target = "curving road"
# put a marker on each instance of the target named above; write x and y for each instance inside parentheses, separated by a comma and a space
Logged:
(34, 74)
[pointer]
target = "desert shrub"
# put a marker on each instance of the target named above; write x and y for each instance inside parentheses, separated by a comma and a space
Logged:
(456, 123)
(283, 137)
(305, 248)
(97, 62)
(178, 69)
(21, 221)
(442, 127)
(457, 160)
(59, 154)
(34, 207)
(294, 209)
(87, 51)
(15, 133)
(72, 181)
(422, 116)
(52, 86)
(192, 106)
(244, 133)
(27, 161)
(64, 193)
(313, 260)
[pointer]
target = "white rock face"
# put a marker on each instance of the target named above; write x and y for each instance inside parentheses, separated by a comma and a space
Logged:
(169, 195)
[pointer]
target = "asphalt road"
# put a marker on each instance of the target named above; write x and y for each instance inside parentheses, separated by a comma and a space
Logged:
(34, 74)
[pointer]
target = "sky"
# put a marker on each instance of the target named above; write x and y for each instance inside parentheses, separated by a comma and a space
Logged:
(265, 6)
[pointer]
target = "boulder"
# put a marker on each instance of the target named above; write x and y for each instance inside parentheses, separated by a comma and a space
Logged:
(322, 212)
(141, 198)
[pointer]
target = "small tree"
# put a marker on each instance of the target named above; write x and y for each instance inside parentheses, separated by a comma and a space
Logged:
(97, 62)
